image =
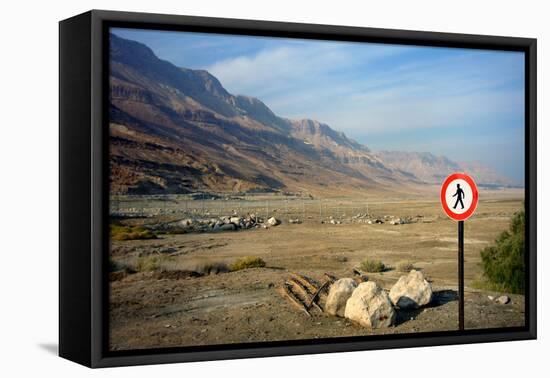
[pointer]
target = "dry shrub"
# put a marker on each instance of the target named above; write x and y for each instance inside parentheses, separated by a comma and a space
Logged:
(247, 262)
(120, 233)
(372, 266)
(212, 268)
(151, 263)
(405, 266)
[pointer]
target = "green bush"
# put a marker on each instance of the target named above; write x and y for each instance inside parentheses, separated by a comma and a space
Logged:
(247, 262)
(119, 233)
(504, 263)
(372, 266)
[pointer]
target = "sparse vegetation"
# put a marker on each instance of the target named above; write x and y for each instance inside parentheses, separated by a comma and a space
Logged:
(504, 263)
(150, 263)
(405, 266)
(247, 262)
(341, 259)
(212, 268)
(119, 232)
(372, 266)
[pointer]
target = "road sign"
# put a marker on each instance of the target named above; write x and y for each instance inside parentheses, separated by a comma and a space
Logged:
(459, 196)
(459, 200)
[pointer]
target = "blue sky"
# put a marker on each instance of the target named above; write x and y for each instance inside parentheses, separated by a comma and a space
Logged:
(462, 103)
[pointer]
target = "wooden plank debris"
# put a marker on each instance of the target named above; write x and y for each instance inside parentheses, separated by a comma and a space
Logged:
(305, 294)
(316, 294)
(306, 282)
(286, 293)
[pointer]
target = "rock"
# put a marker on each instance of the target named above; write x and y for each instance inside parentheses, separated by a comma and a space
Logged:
(370, 306)
(503, 299)
(226, 227)
(294, 221)
(411, 291)
(339, 293)
(491, 298)
(273, 221)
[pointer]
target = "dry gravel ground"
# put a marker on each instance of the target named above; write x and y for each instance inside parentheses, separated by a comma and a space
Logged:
(152, 310)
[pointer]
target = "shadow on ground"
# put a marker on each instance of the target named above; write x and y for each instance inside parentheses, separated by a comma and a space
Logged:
(439, 298)
(442, 297)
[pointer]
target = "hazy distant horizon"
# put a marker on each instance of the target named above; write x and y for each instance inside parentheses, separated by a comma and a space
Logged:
(465, 104)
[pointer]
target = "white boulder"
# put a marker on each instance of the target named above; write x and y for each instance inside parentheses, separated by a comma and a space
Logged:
(411, 291)
(235, 220)
(370, 306)
(503, 299)
(273, 221)
(339, 293)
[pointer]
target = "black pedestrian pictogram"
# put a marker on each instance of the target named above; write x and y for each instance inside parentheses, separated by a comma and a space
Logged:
(459, 196)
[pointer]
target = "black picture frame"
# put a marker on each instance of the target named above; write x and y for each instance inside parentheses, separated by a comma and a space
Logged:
(83, 181)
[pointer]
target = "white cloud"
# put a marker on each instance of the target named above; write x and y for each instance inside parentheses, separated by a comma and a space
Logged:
(291, 68)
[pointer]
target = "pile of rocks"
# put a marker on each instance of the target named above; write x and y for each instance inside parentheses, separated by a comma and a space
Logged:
(405, 220)
(360, 216)
(386, 219)
(369, 305)
(225, 223)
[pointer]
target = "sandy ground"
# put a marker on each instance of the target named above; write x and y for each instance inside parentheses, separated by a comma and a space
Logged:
(152, 309)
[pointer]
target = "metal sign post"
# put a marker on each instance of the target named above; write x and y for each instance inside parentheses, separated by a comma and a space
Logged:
(459, 198)
(461, 275)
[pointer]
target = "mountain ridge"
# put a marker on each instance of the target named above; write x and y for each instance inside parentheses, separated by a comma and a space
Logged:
(433, 169)
(178, 130)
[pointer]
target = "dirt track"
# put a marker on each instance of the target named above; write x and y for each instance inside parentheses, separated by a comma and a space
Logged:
(148, 310)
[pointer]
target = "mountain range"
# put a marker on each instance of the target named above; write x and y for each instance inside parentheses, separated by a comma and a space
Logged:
(177, 130)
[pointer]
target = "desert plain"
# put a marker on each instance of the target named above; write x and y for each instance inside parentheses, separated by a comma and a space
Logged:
(170, 306)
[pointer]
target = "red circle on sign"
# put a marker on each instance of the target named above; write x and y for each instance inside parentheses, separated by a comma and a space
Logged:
(468, 213)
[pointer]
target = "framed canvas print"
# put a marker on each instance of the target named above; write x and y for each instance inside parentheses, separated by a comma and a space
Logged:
(234, 188)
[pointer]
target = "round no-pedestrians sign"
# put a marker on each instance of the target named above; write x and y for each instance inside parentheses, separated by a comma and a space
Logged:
(459, 196)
